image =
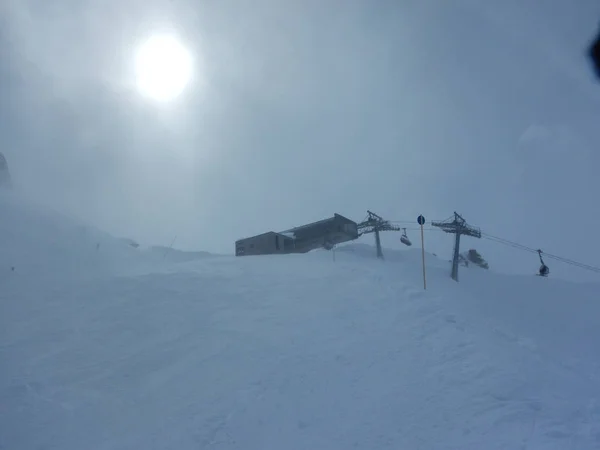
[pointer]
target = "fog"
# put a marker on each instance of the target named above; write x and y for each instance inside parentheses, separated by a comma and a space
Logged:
(297, 110)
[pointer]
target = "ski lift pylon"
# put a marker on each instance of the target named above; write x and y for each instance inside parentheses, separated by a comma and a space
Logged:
(404, 238)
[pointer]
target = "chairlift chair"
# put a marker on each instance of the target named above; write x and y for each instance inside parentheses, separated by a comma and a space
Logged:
(404, 238)
(544, 269)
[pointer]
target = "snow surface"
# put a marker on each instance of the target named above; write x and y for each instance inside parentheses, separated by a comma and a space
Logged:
(112, 347)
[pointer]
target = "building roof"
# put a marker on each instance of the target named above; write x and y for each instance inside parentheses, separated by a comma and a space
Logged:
(294, 230)
(255, 236)
(291, 233)
(283, 234)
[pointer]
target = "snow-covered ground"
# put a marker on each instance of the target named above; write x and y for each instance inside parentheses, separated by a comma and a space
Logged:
(111, 347)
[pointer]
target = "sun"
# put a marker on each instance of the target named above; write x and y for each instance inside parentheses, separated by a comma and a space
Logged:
(163, 67)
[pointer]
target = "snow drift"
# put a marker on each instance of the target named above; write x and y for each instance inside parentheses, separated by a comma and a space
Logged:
(116, 348)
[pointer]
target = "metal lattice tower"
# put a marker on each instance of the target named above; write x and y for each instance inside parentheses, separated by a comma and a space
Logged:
(375, 224)
(458, 226)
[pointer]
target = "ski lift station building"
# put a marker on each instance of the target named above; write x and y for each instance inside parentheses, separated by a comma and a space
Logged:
(322, 234)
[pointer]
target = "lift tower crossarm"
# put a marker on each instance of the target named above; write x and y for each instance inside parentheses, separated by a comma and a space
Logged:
(375, 222)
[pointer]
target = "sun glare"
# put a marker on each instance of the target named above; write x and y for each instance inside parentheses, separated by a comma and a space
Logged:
(163, 67)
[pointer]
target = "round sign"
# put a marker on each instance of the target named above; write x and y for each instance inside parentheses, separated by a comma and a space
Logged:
(421, 220)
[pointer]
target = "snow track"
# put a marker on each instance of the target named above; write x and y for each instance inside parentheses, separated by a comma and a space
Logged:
(291, 352)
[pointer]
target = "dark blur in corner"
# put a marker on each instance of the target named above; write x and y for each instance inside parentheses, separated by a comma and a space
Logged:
(595, 54)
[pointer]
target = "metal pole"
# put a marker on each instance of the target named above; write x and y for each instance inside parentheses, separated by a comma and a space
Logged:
(423, 257)
(456, 255)
(378, 244)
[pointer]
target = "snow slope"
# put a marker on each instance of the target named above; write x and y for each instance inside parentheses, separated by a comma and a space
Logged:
(116, 348)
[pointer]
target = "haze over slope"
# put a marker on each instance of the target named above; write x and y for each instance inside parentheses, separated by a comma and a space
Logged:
(122, 348)
(400, 107)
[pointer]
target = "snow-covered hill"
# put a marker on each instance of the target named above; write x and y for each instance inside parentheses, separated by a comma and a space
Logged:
(111, 347)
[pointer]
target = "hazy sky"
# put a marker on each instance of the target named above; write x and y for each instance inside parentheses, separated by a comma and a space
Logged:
(299, 109)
